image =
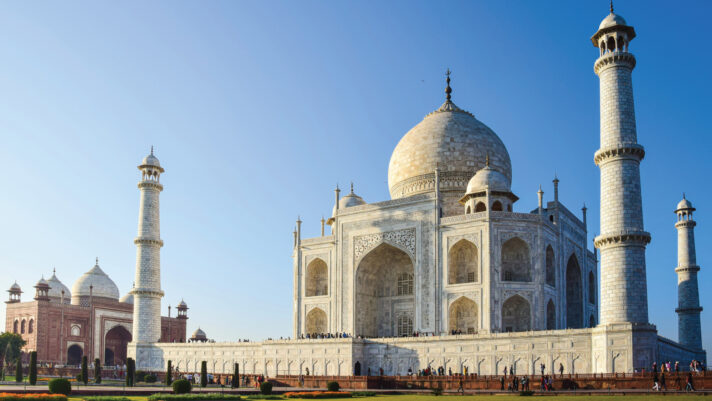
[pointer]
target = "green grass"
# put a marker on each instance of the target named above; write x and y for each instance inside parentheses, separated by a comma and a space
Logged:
(507, 397)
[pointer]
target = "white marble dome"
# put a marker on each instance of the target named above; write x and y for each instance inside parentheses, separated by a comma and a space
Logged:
(15, 287)
(103, 286)
(127, 298)
(452, 140)
(488, 178)
(684, 204)
(56, 287)
(612, 20)
(199, 335)
(348, 200)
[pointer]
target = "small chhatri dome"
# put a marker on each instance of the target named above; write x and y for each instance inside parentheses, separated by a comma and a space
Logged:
(488, 178)
(15, 287)
(684, 204)
(182, 305)
(101, 285)
(42, 283)
(128, 298)
(151, 161)
(350, 199)
(613, 22)
(56, 287)
(451, 140)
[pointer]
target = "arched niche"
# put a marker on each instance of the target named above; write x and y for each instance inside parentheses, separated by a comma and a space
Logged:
(574, 294)
(550, 315)
(516, 314)
(462, 261)
(550, 266)
(516, 263)
(463, 316)
(317, 278)
(316, 322)
(115, 345)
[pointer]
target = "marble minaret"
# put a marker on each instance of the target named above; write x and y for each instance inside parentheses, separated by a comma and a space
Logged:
(623, 239)
(688, 297)
(147, 292)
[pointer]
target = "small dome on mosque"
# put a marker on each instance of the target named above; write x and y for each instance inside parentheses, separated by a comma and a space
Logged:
(151, 161)
(96, 283)
(42, 283)
(488, 178)
(128, 298)
(199, 335)
(449, 139)
(15, 287)
(182, 305)
(56, 287)
(612, 20)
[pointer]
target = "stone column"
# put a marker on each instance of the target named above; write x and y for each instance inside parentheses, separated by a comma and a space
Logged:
(688, 310)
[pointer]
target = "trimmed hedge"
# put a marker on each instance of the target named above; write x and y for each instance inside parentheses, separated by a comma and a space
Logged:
(332, 386)
(150, 378)
(33, 368)
(193, 397)
(363, 393)
(60, 386)
(204, 374)
(169, 374)
(85, 370)
(318, 394)
(266, 388)
(105, 398)
(18, 370)
(180, 386)
(97, 371)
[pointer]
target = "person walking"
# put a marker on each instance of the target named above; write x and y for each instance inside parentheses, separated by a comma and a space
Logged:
(656, 383)
(501, 383)
(561, 369)
(505, 371)
(662, 382)
(460, 389)
(688, 386)
(542, 366)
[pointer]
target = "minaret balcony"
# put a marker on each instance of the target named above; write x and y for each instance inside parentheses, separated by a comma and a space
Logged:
(620, 151)
(616, 58)
(621, 238)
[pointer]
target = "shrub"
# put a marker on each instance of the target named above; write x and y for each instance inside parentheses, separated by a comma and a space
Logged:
(526, 393)
(33, 368)
(130, 372)
(60, 386)
(18, 370)
(181, 386)
(236, 376)
(204, 374)
(169, 374)
(437, 391)
(97, 371)
(150, 378)
(264, 397)
(332, 386)
(140, 376)
(85, 370)
(266, 388)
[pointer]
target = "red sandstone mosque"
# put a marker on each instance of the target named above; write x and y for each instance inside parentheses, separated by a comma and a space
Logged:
(91, 320)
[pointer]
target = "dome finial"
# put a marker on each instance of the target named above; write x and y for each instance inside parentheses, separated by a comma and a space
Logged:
(97, 261)
(448, 89)
(611, 6)
(352, 187)
(487, 160)
(683, 195)
(151, 150)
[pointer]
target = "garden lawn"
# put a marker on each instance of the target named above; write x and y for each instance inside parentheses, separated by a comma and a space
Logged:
(414, 397)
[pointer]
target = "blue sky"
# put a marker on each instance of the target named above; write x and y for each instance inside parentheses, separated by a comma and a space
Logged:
(257, 110)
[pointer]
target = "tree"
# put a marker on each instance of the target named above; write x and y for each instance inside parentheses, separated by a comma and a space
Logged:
(97, 371)
(130, 372)
(18, 370)
(10, 348)
(204, 374)
(236, 377)
(33, 368)
(169, 374)
(85, 370)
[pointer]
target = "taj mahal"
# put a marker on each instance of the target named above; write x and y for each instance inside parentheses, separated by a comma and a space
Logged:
(453, 270)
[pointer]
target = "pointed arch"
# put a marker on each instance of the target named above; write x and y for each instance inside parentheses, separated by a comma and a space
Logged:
(480, 207)
(550, 266)
(31, 326)
(497, 206)
(22, 326)
(516, 263)
(591, 288)
(574, 295)
(15, 326)
(317, 278)
(463, 316)
(316, 322)
(405, 325)
(462, 261)
(516, 314)
(377, 291)
(550, 315)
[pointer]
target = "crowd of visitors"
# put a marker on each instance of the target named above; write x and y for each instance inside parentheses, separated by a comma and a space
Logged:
(323, 335)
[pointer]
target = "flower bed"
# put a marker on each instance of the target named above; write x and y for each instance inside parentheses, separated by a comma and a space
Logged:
(32, 397)
(318, 394)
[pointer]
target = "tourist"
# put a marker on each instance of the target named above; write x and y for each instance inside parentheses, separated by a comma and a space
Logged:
(656, 383)
(449, 371)
(655, 367)
(688, 386)
(662, 382)
(460, 389)
(501, 383)
(511, 370)
(561, 369)
(505, 371)
(677, 366)
(542, 367)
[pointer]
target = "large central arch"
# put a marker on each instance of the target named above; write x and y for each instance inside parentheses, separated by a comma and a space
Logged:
(384, 288)
(115, 345)
(574, 294)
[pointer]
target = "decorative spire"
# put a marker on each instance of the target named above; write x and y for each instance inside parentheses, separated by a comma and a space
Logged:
(151, 150)
(487, 160)
(352, 187)
(611, 6)
(448, 89)
(97, 261)
(683, 195)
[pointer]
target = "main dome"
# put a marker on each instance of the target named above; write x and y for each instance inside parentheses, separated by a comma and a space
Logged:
(455, 142)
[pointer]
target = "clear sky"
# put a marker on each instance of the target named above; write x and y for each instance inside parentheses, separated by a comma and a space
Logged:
(258, 109)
